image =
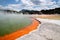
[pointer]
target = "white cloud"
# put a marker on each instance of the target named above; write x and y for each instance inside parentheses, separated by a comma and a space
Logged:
(41, 3)
(27, 2)
(1, 7)
(16, 0)
(11, 7)
(33, 5)
(14, 6)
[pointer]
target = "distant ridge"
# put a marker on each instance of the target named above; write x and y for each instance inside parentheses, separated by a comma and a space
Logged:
(25, 11)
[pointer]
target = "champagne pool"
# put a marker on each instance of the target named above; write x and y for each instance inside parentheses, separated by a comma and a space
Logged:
(12, 22)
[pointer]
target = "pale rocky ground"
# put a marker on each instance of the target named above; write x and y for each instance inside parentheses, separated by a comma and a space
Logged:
(47, 30)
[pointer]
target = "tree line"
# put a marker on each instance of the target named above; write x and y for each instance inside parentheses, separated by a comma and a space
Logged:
(24, 11)
(50, 11)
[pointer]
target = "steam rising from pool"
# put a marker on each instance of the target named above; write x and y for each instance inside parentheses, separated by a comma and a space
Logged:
(4, 15)
(12, 22)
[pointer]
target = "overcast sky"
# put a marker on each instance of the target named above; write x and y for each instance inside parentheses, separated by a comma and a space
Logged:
(29, 4)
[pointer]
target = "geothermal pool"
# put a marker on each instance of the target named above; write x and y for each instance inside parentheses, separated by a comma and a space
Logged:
(12, 22)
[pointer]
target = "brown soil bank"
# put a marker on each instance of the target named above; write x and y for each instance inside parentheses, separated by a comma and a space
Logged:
(21, 32)
(56, 17)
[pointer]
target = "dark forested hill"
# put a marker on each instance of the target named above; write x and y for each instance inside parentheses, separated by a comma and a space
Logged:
(25, 11)
(50, 11)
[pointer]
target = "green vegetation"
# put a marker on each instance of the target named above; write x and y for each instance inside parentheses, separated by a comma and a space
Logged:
(9, 24)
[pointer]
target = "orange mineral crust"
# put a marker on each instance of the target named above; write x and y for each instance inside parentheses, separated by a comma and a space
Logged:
(21, 32)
